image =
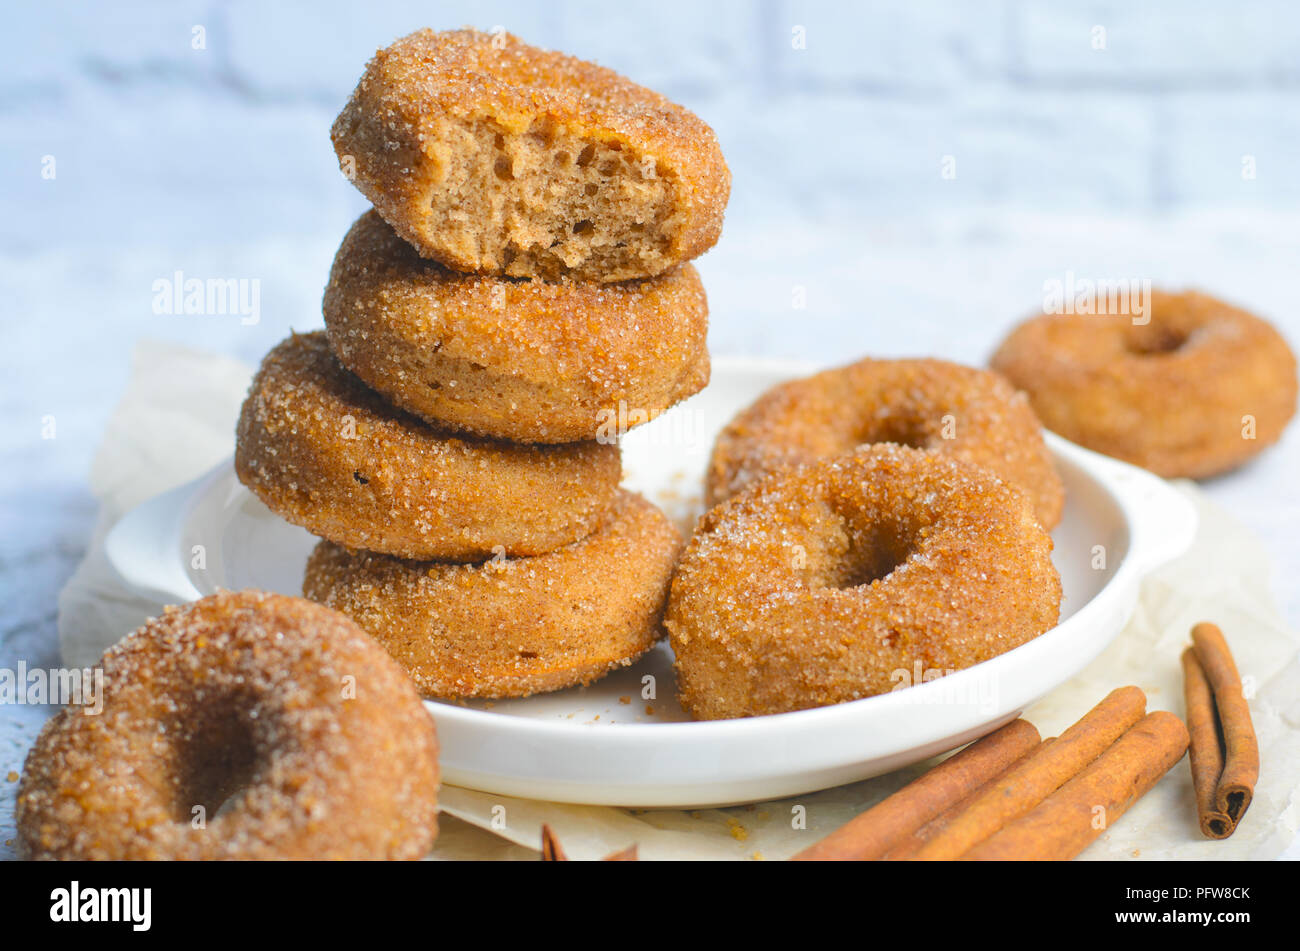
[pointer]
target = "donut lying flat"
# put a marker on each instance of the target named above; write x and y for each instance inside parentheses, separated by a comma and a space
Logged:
(958, 411)
(820, 584)
(512, 627)
(1198, 390)
(242, 726)
(490, 155)
(324, 452)
(523, 360)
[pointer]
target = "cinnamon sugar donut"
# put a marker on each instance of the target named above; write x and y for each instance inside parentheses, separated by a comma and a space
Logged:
(958, 411)
(516, 626)
(493, 156)
(324, 452)
(1196, 390)
(242, 726)
(530, 361)
(817, 585)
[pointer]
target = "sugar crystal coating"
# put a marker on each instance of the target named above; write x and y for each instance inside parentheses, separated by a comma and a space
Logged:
(838, 579)
(243, 726)
(514, 626)
(491, 155)
(531, 361)
(323, 451)
(955, 410)
(1192, 388)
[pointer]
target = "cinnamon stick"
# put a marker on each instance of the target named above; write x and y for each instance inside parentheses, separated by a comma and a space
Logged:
(913, 841)
(871, 834)
(1206, 754)
(1040, 775)
(1236, 786)
(553, 852)
(1077, 813)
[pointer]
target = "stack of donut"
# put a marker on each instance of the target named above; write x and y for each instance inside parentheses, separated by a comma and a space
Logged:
(519, 292)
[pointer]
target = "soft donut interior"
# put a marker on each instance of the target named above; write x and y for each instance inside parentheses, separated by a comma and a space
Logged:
(551, 196)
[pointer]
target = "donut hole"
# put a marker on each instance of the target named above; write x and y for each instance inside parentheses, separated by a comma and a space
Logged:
(217, 757)
(872, 553)
(901, 430)
(1151, 340)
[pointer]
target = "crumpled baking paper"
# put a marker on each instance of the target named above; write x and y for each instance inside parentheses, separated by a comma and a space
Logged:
(177, 420)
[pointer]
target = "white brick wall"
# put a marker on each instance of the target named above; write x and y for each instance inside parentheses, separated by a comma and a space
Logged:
(856, 123)
(922, 47)
(683, 48)
(51, 47)
(297, 48)
(1159, 44)
(1209, 140)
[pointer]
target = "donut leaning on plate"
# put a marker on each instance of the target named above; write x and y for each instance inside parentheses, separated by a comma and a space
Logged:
(821, 584)
(496, 157)
(242, 726)
(324, 452)
(530, 361)
(969, 414)
(1194, 387)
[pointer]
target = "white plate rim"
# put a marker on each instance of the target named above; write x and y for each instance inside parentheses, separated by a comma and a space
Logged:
(1159, 520)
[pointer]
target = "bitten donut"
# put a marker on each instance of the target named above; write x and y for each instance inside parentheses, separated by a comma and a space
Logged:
(821, 584)
(324, 452)
(530, 361)
(491, 155)
(242, 726)
(516, 626)
(1193, 388)
(958, 411)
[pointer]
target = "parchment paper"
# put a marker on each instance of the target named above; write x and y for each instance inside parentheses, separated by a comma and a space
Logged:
(177, 420)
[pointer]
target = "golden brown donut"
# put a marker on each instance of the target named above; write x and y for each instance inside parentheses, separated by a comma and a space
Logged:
(326, 453)
(242, 726)
(1198, 389)
(516, 626)
(958, 411)
(491, 155)
(819, 584)
(530, 361)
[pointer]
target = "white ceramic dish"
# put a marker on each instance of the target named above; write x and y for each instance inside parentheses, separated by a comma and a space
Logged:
(609, 744)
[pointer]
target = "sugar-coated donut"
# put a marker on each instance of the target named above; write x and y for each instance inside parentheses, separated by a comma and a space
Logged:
(820, 584)
(323, 451)
(491, 155)
(1193, 387)
(530, 361)
(955, 410)
(242, 726)
(516, 626)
